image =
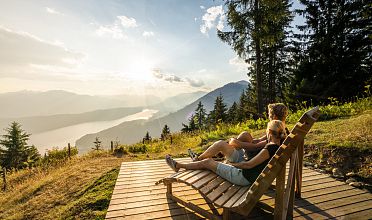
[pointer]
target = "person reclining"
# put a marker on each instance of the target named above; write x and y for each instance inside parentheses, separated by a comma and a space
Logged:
(236, 148)
(241, 172)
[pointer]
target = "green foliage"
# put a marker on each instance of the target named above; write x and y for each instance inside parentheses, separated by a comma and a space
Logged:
(17, 154)
(57, 156)
(334, 109)
(334, 50)
(200, 117)
(165, 132)
(257, 33)
(120, 150)
(191, 127)
(219, 113)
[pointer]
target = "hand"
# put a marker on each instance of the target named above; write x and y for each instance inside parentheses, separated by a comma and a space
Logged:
(235, 143)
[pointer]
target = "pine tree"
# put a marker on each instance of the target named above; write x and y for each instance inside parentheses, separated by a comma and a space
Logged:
(336, 58)
(165, 132)
(200, 116)
(219, 110)
(191, 127)
(97, 144)
(147, 137)
(258, 35)
(16, 153)
(233, 114)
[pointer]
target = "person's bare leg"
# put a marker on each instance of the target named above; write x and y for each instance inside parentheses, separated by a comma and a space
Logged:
(217, 147)
(208, 163)
(245, 137)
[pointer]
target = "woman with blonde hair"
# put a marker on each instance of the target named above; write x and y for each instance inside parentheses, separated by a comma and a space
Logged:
(236, 149)
(241, 173)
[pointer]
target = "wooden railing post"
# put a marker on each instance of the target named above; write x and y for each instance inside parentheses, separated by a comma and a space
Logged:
(300, 158)
(279, 194)
(4, 179)
(112, 146)
(69, 150)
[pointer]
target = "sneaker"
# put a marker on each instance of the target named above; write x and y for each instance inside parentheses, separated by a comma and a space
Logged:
(192, 154)
(171, 163)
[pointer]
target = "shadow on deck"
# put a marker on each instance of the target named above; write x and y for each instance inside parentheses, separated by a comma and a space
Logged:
(137, 197)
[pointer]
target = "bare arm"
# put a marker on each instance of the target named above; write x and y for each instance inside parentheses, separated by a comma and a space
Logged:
(263, 138)
(247, 145)
(258, 159)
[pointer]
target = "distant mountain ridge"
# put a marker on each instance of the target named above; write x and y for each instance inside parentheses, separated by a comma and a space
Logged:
(133, 131)
(37, 124)
(30, 103)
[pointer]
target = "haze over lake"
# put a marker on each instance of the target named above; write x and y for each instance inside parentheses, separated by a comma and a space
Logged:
(60, 137)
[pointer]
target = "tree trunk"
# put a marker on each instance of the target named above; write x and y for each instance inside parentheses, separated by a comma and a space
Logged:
(258, 60)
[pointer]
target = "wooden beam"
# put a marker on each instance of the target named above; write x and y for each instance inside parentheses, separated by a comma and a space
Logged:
(194, 207)
(289, 191)
(280, 182)
(299, 166)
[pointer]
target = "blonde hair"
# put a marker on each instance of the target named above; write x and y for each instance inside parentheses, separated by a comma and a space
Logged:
(279, 110)
(277, 129)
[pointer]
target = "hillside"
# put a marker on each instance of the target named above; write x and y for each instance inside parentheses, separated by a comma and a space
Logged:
(131, 132)
(82, 188)
(25, 104)
(39, 124)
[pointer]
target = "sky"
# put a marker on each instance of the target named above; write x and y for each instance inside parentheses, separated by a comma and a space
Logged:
(113, 47)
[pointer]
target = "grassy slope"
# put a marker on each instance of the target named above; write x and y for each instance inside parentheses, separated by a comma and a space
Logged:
(82, 189)
(77, 189)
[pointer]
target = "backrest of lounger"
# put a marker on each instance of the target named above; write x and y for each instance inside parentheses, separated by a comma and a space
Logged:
(279, 160)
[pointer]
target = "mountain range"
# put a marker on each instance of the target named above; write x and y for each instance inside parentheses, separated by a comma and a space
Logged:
(133, 131)
(30, 103)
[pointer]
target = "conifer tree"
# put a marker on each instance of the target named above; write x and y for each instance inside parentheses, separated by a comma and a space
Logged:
(15, 152)
(336, 56)
(233, 113)
(258, 35)
(165, 132)
(219, 112)
(200, 116)
(97, 144)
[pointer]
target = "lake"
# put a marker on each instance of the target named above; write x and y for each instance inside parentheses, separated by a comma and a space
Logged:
(62, 136)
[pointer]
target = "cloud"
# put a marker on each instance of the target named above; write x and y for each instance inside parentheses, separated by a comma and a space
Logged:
(195, 82)
(20, 50)
(148, 34)
(116, 30)
(127, 22)
(52, 11)
(112, 30)
(157, 73)
(241, 65)
(214, 17)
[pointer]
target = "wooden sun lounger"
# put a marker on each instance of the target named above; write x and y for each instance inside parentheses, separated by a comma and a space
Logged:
(220, 193)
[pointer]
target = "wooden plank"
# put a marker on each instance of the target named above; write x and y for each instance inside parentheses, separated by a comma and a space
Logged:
(237, 196)
(193, 173)
(339, 212)
(226, 196)
(217, 192)
(211, 185)
(332, 205)
(199, 176)
(205, 180)
(358, 213)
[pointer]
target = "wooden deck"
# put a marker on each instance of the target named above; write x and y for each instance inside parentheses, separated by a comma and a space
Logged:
(136, 197)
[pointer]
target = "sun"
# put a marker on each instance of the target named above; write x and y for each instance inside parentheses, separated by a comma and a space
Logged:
(141, 70)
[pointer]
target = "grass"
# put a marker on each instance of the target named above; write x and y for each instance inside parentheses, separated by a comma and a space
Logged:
(80, 189)
(355, 131)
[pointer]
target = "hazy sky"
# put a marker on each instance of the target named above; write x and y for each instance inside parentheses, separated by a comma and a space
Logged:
(109, 47)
